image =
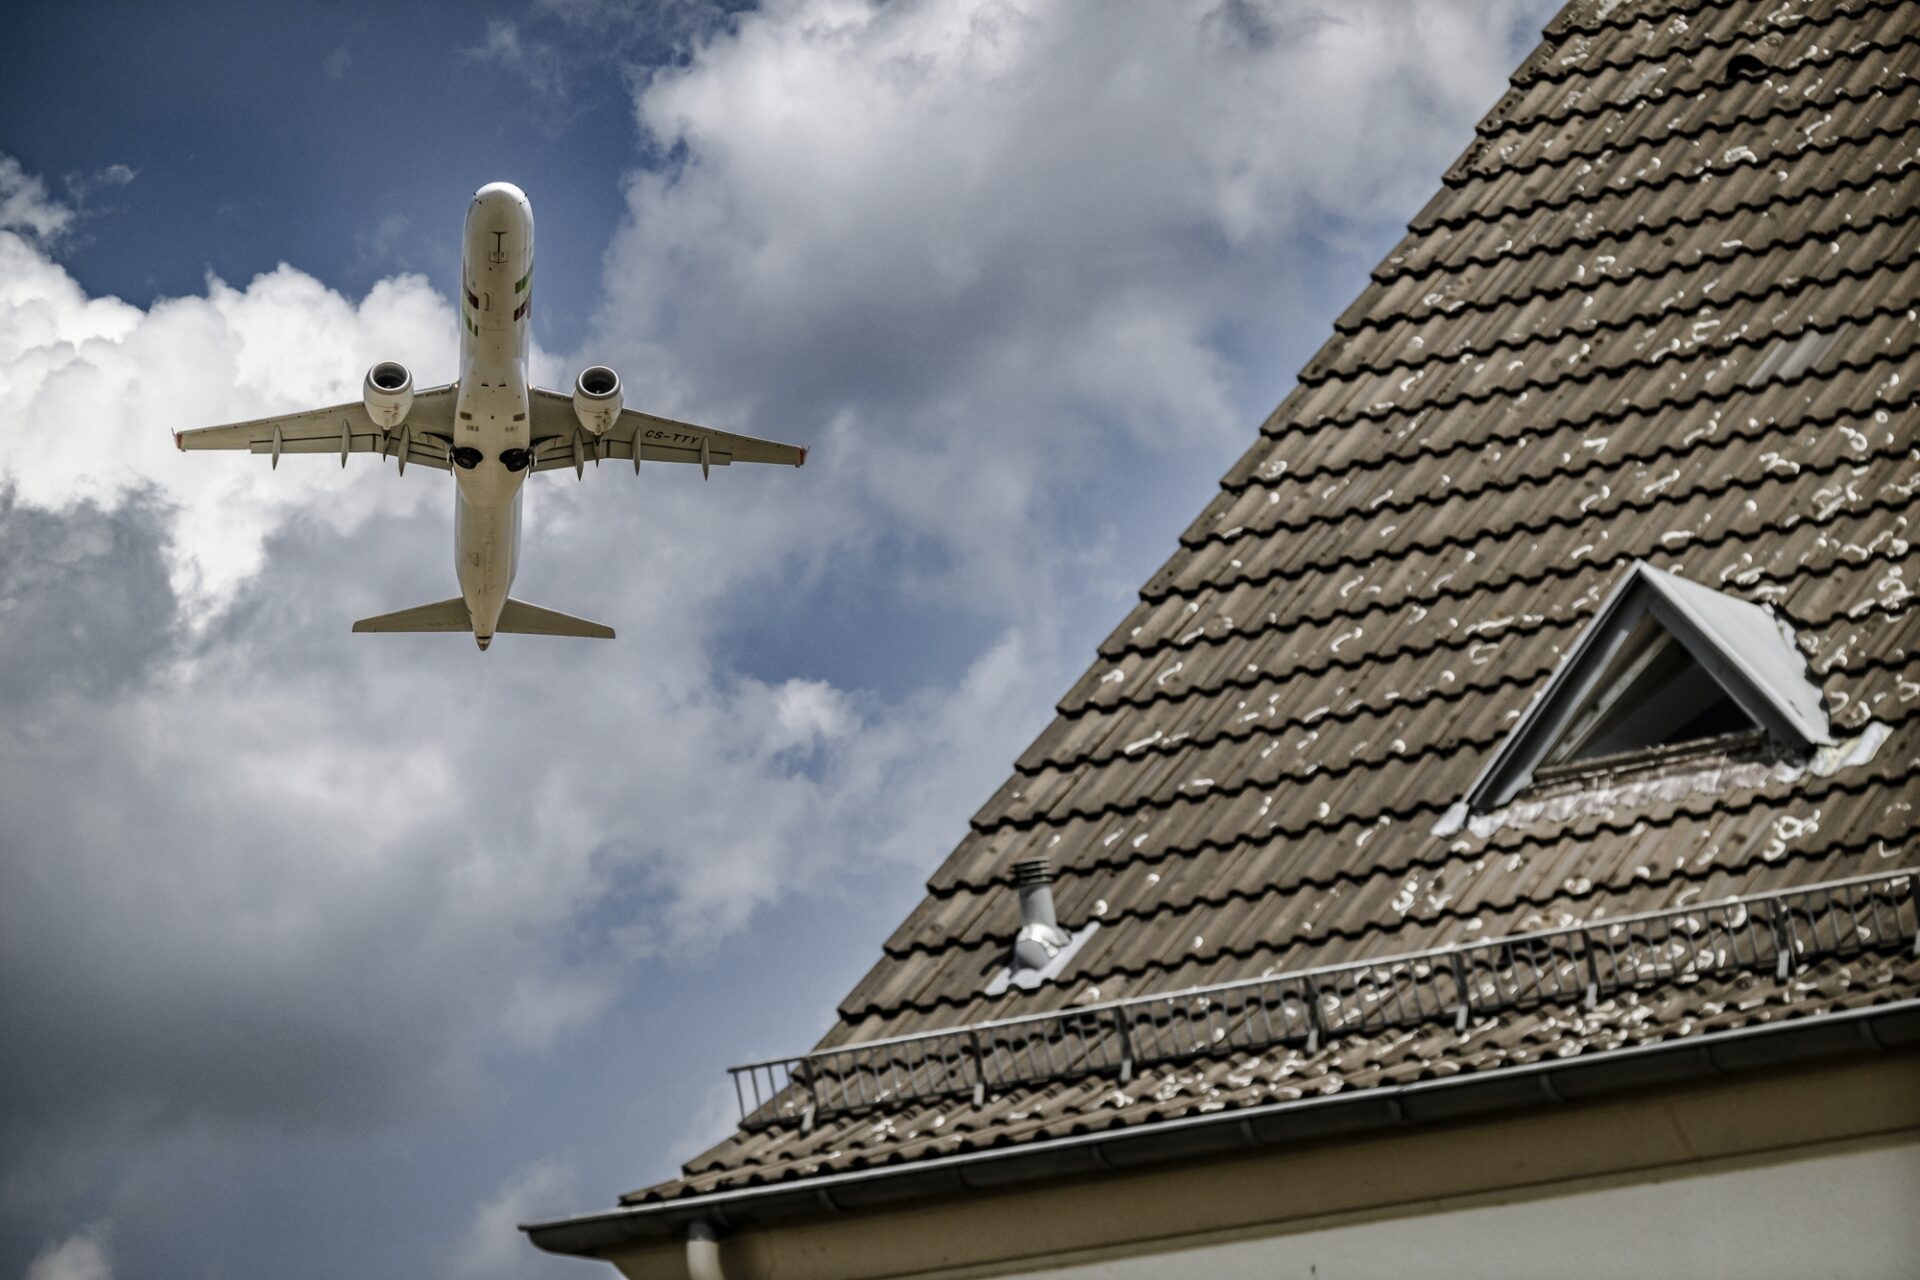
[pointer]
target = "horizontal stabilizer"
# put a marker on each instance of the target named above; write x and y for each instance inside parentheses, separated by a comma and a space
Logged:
(521, 618)
(446, 615)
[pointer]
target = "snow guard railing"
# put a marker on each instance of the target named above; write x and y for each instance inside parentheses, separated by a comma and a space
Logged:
(1581, 964)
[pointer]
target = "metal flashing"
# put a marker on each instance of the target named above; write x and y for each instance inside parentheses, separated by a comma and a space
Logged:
(1026, 979)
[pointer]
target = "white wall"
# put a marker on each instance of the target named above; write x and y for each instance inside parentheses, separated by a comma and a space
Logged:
(1853, 1214)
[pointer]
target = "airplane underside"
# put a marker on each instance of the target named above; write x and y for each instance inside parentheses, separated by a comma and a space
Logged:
(491, 430)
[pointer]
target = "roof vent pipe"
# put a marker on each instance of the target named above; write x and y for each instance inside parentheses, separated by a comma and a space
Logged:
(1040, 937)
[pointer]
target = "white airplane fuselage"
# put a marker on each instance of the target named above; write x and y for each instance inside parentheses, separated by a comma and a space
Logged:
(491, 406)
(484, 427)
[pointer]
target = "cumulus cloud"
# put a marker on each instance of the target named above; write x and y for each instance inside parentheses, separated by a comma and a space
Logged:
(27, 208)
(25, 205)
(716, 1116)
(995, 245)
(96, 387)
(492, 1244)
(536, 63)
(78, 1257)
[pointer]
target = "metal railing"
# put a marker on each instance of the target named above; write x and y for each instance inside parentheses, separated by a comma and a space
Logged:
(1578, 964)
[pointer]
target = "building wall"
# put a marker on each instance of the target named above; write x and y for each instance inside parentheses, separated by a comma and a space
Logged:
(1844, 1212)
(1796, 1171)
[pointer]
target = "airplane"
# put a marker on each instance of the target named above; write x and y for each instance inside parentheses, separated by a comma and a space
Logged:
(491, 429)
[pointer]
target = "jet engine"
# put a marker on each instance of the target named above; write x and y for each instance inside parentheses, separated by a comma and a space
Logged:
(388, 394)
(596, 398)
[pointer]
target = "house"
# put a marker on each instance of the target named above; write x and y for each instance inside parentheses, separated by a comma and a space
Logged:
(1488, 847)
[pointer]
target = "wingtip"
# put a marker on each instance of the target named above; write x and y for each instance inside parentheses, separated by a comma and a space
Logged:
(803, 457)
(181, 445)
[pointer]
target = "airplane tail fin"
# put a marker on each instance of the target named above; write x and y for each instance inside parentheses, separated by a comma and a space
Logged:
(444, 615)
(517, 617)
(521, 618)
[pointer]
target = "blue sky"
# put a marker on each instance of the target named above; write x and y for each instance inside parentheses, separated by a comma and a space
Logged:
(337, 955)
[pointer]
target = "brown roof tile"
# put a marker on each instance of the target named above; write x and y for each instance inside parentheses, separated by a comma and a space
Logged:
(948, 1127)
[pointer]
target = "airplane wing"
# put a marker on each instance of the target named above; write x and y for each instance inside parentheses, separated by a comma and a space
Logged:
(423, 438)
(560, 441)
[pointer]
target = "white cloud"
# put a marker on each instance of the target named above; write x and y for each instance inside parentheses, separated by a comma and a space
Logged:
(98, 387)
(492, 1244)
(717, 1116)
(79, 1257)
(25, 205)
(537, 63)
(113, 175)
(999, 245)
(807, 712)
(27, 209)
(382, 245)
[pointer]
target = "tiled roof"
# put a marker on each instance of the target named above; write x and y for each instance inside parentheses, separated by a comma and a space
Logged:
(1659, 310)
(1238, 1080)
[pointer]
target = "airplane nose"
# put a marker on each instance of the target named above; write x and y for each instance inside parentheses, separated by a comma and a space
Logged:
(499, 193)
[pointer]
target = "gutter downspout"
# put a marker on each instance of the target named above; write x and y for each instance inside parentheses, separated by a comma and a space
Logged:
(703, 1252)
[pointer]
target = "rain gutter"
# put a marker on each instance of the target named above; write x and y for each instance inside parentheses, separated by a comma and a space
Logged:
(1884, 1028)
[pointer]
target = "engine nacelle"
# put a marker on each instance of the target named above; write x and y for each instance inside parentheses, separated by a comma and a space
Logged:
(388, 394)
(596, 398)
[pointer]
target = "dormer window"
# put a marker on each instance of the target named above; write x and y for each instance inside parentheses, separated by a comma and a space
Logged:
(1653, 698)
(1668, 671)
